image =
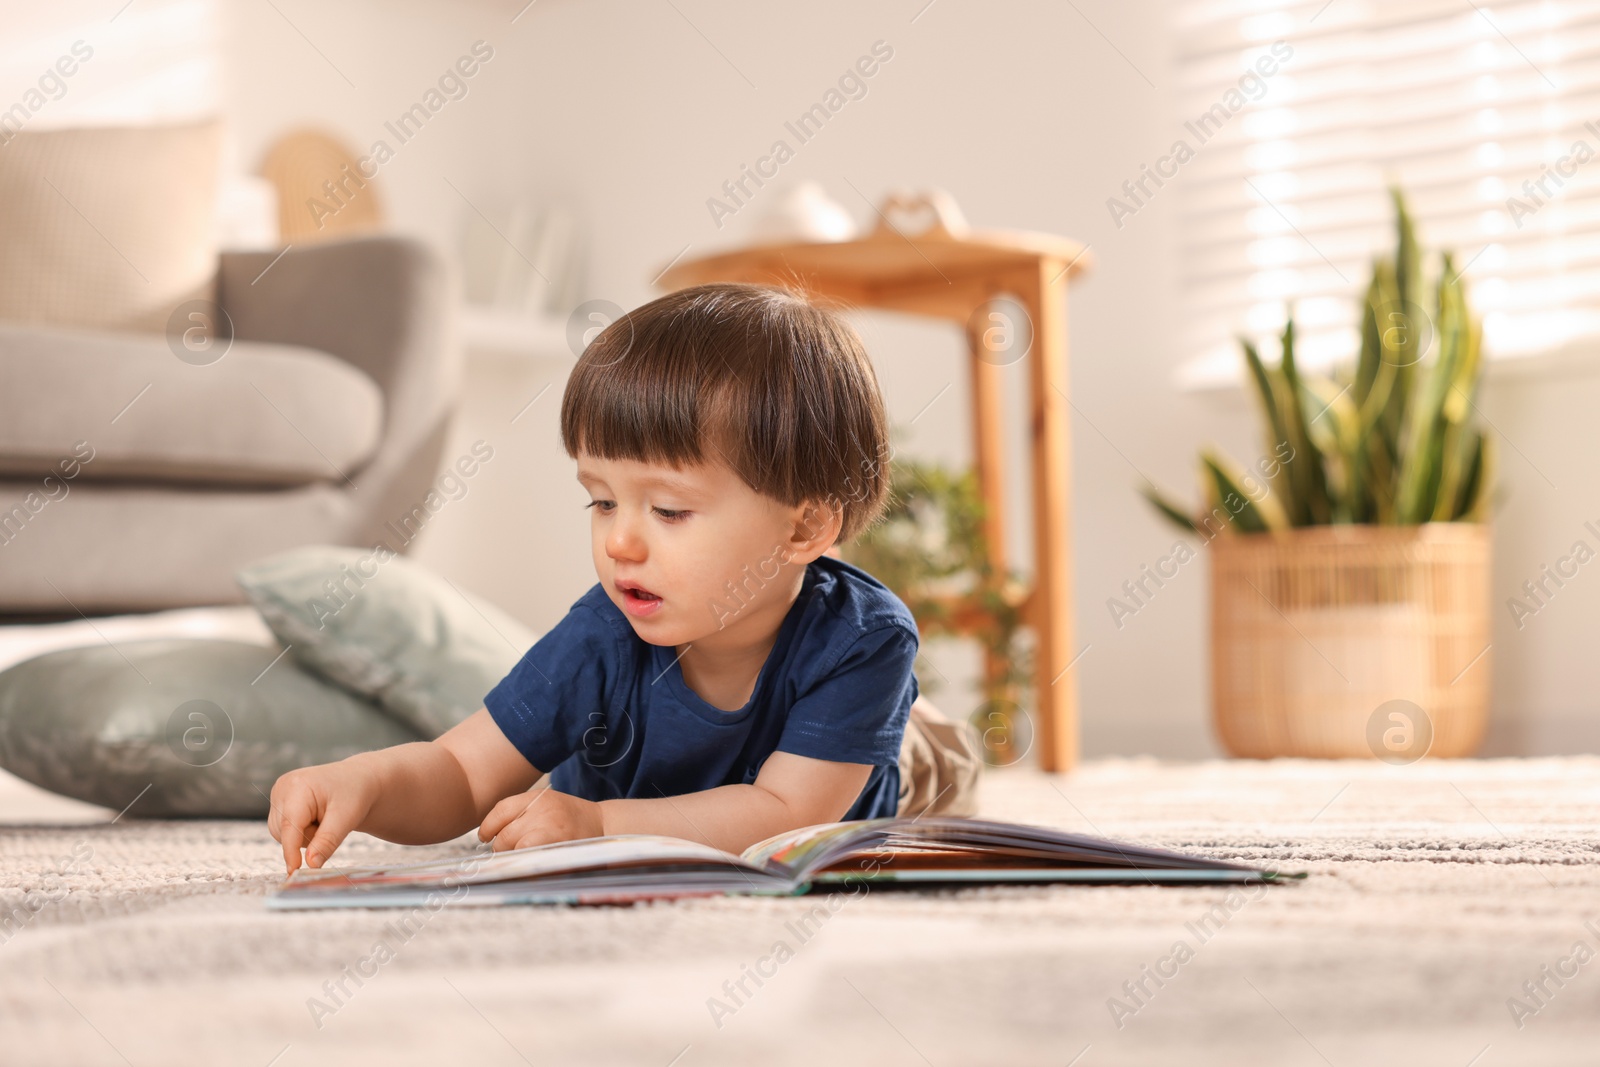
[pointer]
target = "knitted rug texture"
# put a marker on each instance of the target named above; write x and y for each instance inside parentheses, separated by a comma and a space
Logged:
(1451, 916)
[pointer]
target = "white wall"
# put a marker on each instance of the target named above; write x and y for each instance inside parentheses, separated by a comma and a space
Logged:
(1031, 117)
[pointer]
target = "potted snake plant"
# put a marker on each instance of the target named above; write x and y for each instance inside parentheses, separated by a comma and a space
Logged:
(1350, 567)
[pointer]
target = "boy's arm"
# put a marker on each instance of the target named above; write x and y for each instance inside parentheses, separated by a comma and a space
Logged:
(430, 791)
(790, 792)
(413, 794)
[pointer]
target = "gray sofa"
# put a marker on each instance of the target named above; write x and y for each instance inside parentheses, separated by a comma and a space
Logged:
(132, 479)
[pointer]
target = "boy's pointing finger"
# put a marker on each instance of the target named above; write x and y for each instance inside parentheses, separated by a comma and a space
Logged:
(291, 845)
(296, 821)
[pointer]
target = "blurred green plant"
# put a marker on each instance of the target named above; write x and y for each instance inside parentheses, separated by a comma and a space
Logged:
(1391, 441)
(929, 548)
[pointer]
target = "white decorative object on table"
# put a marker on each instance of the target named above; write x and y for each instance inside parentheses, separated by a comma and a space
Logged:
(803, 212)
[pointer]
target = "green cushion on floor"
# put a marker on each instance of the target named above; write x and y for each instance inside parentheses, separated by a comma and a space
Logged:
(421, 647)
(186, 726)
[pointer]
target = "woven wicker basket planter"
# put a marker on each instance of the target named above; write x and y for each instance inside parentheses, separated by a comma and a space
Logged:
(1314, 630)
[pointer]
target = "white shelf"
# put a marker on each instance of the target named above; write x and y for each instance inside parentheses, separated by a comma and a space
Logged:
(500, 333)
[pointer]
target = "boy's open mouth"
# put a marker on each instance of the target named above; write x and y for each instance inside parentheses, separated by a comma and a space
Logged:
(638, 599)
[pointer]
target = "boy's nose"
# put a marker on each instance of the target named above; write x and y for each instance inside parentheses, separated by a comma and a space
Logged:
(622, 542)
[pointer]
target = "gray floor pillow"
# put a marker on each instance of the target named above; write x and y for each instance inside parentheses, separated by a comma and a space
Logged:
(177, 727)
(387, 629)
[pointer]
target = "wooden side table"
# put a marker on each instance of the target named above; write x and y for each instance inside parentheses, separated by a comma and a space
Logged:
(946, 270)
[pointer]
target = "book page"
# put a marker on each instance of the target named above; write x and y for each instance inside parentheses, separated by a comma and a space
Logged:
(629, 851)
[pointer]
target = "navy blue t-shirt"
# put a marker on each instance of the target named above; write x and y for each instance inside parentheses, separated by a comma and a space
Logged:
(610, 715)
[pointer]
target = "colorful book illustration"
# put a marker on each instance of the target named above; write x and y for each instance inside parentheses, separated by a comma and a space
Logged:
(872, 853)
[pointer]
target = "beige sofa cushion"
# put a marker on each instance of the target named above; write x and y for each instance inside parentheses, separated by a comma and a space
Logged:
(108, 228)
(101, 407)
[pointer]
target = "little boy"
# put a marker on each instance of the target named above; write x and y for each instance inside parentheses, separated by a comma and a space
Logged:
(726, 679)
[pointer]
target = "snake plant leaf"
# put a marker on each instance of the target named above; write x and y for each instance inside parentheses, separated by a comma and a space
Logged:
(1170, 510)
(1473, 503)
(1401, 338)
(1267, 394)
(1376, 402)
(1422, 467)
(1307, 473)
(1455, 469)
(1358, 506)
(1233, 503)
(1471, 477)
(1386, 403)
(1462, 394)
(1374, 377)
(1390, 398)
(1371, 357)
(1460, 442)
(1336, 432)
(1379, 479)
(1407, 260)
(1451, 470)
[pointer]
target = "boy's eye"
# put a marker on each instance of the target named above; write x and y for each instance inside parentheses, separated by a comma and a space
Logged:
(606, 507)
(669, 514)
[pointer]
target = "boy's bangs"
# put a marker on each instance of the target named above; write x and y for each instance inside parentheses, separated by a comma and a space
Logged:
(652, 410)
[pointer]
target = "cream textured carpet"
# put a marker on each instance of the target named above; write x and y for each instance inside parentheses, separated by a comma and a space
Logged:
(1436, 892)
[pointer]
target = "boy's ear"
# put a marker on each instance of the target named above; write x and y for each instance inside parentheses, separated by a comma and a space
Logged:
(816, 528)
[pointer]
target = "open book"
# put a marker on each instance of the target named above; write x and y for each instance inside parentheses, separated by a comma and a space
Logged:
(846, 855)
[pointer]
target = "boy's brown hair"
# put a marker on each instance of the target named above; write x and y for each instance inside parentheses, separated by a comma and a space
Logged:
(765, 380)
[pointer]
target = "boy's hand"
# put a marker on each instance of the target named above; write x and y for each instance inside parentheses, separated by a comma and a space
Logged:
(318, 807)
(541, 817)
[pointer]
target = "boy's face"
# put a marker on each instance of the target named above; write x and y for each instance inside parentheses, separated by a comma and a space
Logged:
(693, 554)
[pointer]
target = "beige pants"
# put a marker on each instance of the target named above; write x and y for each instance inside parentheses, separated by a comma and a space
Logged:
(939, 767)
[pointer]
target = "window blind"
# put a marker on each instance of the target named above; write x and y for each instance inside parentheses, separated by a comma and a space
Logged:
(1486, 114)
(148, 61)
